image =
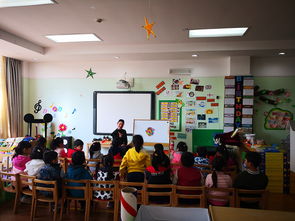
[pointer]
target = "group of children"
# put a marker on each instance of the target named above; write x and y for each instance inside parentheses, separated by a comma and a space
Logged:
(137, 165)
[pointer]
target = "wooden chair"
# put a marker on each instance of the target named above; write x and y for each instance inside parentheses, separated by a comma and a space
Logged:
(67, 187)
(184, 192)
(140, 190)
(228, 195)
(93, 163)
(101, 186)
(6, 163)
(48, 186)
(26, 187)
(155, 194)
(64, 162)
(252, 196)
(10, 184)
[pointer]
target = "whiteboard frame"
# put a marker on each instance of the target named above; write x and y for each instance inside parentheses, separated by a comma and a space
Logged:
(150, 143)
(152, 111)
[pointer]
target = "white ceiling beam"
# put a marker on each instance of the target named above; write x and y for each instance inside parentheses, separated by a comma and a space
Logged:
(14, 39)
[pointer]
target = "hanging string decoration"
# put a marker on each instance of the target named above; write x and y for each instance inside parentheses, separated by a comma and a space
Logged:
(273, 97)
(149, 28)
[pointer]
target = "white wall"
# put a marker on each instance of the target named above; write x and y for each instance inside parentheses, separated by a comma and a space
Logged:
(138, 69)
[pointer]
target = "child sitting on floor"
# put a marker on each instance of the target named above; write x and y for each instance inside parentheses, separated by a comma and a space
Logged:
(77, 171)
(21, 157)
(218, 180)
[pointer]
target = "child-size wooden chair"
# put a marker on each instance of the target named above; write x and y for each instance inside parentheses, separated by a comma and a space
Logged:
(10, 184)
(228, 195)
(258, 197)
(188, 193)
(26, 187)
(69, 186)
(159, 194)
(51, 197)
(111, 186)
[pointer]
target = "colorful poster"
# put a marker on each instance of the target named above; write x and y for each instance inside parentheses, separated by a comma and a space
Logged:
(170, 110)
(278, 119)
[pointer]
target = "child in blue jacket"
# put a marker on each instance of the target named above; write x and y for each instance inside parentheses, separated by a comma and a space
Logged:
(77, 171)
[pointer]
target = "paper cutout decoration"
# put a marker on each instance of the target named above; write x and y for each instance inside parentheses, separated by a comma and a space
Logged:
(202, 125)
(37, 107)
(201, 116)
(90, 73)
(209, 111)
(62, 128)
(74, 110)
(201, 103)
(54, 109)
(148, 28)
(273, 97)
(194, 81)
(214, 104)
(160, 84)
(208, 87)
(160, 91)
(179, 94)
(181, 135)
(187, 86)
(211, 100)
(175, 87)
(150, 131)
(59, 108)
(200, 98)
(278, 119)
(191, 94)
(179, 103)
(199, 88)
(45, 111)
(213, 120)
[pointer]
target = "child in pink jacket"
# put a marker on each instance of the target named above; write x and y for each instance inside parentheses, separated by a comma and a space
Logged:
(21, 156)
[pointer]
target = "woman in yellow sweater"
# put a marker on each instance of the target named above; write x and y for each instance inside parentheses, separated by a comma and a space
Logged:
(135, 161)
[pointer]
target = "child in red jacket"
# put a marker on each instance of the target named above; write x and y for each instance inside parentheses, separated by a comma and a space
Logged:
(78, 146)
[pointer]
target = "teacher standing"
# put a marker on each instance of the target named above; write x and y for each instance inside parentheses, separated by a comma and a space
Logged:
(120, 134)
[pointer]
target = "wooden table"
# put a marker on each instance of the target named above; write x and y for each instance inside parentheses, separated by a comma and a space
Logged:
(232, 214)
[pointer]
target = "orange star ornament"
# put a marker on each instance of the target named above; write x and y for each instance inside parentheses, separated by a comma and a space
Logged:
(149, 28)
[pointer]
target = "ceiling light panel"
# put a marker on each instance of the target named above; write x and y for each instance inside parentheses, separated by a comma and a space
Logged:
(73, 38)
(217, 32)
(15, 3)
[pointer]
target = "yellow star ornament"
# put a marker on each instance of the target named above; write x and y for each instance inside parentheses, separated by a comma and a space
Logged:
(149, 28)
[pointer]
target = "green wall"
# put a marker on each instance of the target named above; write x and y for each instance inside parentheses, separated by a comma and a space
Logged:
(70, 94)
(272, 83)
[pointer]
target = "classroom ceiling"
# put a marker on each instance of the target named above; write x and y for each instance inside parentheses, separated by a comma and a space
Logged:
(271, 29)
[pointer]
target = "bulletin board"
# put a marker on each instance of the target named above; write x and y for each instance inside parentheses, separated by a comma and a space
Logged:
(152, 131)
(169, 110)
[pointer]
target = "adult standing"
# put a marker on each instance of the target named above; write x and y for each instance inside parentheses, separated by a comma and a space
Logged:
(120, 134)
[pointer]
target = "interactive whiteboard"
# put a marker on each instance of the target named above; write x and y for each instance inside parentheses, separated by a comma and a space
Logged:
(110, 106)
(152, 131)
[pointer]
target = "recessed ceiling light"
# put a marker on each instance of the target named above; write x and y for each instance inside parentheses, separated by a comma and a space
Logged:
(282, 53)
(194, 55)
(73, 38)
(116, 57)
(217, 32)
(15, 3)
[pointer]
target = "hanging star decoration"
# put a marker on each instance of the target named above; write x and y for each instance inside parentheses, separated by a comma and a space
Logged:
(149, 28)
(90, 73)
